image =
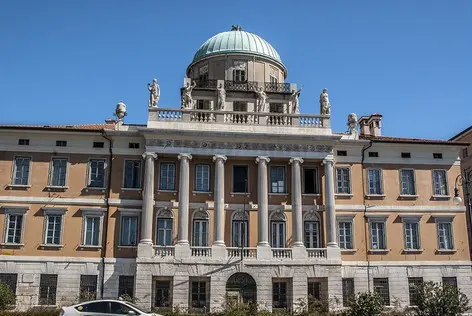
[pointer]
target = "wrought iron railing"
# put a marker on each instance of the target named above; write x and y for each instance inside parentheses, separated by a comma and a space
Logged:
(206, 83)
(277, 87)
(241, 86)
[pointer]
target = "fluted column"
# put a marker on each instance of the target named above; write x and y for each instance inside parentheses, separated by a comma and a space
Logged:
(219, 199)
(183, 198)
(297, 215)
(148, 198)
(330, 202)
(262, 201)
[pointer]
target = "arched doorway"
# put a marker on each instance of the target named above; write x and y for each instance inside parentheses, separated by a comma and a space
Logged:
(241, 288)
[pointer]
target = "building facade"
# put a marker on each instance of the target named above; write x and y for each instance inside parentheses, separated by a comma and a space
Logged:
(236, 195)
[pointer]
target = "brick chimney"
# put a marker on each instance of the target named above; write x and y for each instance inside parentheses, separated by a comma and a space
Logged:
(371, 125)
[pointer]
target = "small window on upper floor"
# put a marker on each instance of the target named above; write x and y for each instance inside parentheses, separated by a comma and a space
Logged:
(203, 104)
(465, 153)
(342, 153)
(273, 79)
(239, 75)
(98, 144)
(373, 154)
(61, 143)
(239, 106)
(23, 142)
(133, 145)
(276, 108)
(406, 155)
(437, 155)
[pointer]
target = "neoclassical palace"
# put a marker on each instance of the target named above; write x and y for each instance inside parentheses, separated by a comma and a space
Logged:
(231, 195)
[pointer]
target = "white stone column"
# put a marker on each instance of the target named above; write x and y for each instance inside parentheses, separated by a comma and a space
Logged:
(263, 245)
(219, 191)
(148, 198)
(297, 215)
(183, 199)
(330, 202)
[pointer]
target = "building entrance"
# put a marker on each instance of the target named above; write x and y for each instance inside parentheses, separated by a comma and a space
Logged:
(241, 288)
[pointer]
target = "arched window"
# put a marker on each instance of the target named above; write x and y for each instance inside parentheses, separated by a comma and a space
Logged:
(164, 227)
(278, 229)
(240, 232)
(200, 229)
(311, 230)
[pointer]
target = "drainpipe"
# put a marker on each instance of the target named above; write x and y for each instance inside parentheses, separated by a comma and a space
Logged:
(367, 258)
(107, 212)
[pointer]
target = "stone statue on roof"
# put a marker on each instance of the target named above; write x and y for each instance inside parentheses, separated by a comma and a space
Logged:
(221, 97)
(352, 123)
(294, 101)
(325, 107)
(261, 100)
(187, 100)
(154, 93)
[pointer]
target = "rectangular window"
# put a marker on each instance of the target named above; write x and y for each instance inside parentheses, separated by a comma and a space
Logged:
(276, 107)
(345, 234)
(239, 75)
(53, 229)
(88, 287)
(240, 233)
(23, 142)
(273, 79)
(450, 281)
(132, 174)
(47, 289)
(406, 155)
(412, 236)
(92, 230)
(373, 154)
(203, 105)
(440, 182)
(240, 179)
(58, 172)
(98, 144)
(167, 177)
(310, 181)
(198, 294)
(445, 239)
(133, 145)
(312, 234)
(343, 177)
(277, 179)
(278, 234)
(348, 291)
(375, 181)
(239, 106)
(437, 155)
(381, 287)
(126, 286)
(10, 279)
(200, 233)
(377, 235)
(407, 179)
(164, 232)
(96, 173)
(342, 153)
(465, 153)
(61, 143)
(21, 170)
(279, 294)
(162, 295)
(14, 228)
(129, 230)
(202, 178)
(413, 289)
(314, 291)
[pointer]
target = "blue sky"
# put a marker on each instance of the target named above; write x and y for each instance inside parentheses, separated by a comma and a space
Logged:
(69, 62)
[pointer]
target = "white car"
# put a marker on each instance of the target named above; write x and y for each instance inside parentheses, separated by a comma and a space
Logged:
(104, 307)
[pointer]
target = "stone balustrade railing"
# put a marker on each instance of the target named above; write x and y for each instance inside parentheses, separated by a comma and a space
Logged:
(164, 251)
(282, 253)
(235, 252)
(242, 118)
(201, 251)
(317, 253)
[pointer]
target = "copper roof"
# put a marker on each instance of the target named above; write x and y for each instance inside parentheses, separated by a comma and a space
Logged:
(387, 139)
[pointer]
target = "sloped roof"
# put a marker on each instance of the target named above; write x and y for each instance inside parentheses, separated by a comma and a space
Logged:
(388, 139)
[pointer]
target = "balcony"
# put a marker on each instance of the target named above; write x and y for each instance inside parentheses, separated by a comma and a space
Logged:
(245, 86)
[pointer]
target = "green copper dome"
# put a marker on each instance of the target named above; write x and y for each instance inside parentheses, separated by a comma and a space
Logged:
(237, 41)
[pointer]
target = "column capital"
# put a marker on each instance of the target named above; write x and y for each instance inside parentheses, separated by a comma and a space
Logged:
(261, 159)
(328, 159)
(149, 154)
(184, 156)
(295, 159)
(219, 157)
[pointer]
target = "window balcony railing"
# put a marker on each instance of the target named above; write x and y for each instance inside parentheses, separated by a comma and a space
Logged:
(201, 251)
(282, 253)
(243, 118)
(253, 86)
(236, 252)
(317, 253)
(206, 83)
(164, 251)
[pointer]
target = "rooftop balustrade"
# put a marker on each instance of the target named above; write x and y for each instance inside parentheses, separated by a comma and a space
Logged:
(231, 85)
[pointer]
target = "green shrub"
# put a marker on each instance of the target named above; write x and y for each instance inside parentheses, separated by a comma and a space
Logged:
(438, 300)
(365, 304)
(7, 297)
